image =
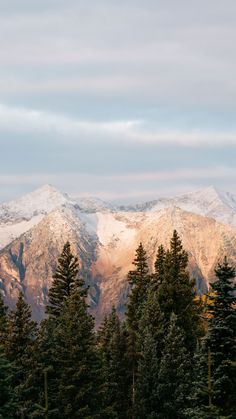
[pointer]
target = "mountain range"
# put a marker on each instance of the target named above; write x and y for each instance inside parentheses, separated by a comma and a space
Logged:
(104, 236)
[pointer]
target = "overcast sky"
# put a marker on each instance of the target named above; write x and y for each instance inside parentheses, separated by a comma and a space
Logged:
(123, 100)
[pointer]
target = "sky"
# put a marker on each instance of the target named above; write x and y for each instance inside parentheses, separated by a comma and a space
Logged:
(123, 100)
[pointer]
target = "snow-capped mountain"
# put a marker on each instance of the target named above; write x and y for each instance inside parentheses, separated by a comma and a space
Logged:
(34, 228)
(210, 202)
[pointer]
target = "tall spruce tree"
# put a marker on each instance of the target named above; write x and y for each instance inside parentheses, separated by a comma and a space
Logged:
(177, 295)
(150, 344)
(139, 280)
(21, 333)
(221, 338)
(112, 347)
(146, 402)
(65, 283)
(174, 376)
(158, 275)
(77, 360)
(45, 360)
(65, 280)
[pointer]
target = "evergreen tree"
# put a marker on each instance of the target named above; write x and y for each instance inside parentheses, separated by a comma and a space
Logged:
(150, 344)
(7, 396)
(174, 376)
(139, 280)
(21, 333)
(221, 338)
(112, 343)
(3, 320)
(65, 284)
(176, 293)
(76, 356)
(200, 394)
(146, 403)
(46, 360)
(158, 276)
(65, 280)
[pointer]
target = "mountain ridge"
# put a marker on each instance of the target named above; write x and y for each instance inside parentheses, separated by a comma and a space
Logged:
(105, 238)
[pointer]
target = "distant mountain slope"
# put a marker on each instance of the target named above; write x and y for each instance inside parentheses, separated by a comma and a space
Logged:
(105, 240)
(209, 202)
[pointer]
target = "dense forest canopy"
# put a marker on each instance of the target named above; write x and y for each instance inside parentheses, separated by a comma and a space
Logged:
(173, 356)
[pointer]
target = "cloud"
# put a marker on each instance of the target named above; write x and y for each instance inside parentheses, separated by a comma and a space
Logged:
(20, 120)
(78, 178)
(161, 52)
(129, 88)
(28, 120)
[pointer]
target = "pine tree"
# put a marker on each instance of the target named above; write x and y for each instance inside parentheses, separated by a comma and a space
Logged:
(114, 367)
(174, 376)
(200, 391)
(176, 293)
(3, 320)
(150, 344)
(65, 284)
(139, 280)
(146, 403)
(65, 280)
(7, 397)
(221, 338)
(21, 333)
(45, 360)
(158, 276)
(77, 360)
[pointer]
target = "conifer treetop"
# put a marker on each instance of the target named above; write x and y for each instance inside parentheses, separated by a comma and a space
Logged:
(65, 281)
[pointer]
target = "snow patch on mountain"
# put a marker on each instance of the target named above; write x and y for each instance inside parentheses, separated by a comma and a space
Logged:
(41, 201)
(209, 202)
(99, 218)
(10, 231)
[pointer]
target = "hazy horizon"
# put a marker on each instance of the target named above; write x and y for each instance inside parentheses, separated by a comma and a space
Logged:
(118, 201)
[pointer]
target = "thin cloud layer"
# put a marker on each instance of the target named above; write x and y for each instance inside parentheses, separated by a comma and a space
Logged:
(30, 121)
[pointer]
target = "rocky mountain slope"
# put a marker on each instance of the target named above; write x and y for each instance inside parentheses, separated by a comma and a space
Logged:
(34, 228)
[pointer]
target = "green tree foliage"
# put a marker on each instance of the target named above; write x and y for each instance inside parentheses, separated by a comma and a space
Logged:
(150, 344)
(7, 396)
(66, 346)
(77, 360)
(3, 320)
(139, 280)
(146, 403)
(158, 275)
(214, 386)
(221, 338)
(170, 304)
(143, 369)
(44, 360)
(21, 333)
(174, 376)
(65, 280)
(112, 347)
(176, 293)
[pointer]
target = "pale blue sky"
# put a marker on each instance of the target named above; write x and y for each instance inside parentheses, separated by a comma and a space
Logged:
(123, 100)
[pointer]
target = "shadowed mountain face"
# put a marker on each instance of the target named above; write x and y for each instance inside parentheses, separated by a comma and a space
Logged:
(34, 229)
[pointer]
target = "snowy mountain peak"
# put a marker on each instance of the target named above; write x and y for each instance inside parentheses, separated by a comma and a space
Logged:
(207, 194)
(40, 201)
